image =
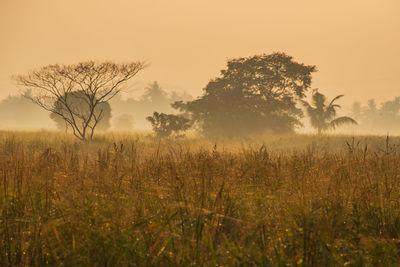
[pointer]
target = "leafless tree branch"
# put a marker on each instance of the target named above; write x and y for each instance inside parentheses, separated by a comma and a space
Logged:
(74, 92)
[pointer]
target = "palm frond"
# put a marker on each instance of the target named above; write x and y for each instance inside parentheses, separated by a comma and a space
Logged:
(334, 99)
(336, 106)
(330, 112)
(340, 121)
(331, 108)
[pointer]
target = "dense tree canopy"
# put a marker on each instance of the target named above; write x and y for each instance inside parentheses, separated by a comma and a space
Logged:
(253, 95)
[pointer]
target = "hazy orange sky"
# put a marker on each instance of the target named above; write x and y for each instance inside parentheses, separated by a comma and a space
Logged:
(354, 43)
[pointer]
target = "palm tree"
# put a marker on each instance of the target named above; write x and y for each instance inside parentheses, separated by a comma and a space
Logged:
(322, 116)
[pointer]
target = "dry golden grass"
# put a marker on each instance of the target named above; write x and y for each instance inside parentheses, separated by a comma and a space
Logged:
(130, 200)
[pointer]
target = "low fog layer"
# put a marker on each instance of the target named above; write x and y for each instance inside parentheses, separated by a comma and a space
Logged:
(129, 114)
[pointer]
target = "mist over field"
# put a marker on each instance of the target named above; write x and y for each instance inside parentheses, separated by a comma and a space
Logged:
(199, 133)
(19, 113)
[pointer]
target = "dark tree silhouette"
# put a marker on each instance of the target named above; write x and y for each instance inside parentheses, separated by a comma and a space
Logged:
(78, 104)
(253, 95)
(322, 115)
(52, 86)
(166, 124)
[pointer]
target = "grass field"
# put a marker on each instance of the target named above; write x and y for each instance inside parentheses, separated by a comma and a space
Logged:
(130, 200)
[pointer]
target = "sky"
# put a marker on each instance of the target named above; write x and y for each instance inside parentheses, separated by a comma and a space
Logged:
(355, 44)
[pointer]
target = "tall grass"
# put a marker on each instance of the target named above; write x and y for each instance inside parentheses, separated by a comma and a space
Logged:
(129, 200)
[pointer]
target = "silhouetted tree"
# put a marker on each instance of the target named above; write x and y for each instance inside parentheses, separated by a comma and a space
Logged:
(322, 115)
(166, 124)
(78, 103)
(52, 85)
(253, 95)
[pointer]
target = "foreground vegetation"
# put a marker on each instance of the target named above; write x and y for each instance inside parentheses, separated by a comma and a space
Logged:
(130, 200)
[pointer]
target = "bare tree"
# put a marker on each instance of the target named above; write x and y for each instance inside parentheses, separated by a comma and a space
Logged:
(77, 103)
(56, 87)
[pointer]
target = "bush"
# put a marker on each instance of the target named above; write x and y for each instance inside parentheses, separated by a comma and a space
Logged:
(166, 124)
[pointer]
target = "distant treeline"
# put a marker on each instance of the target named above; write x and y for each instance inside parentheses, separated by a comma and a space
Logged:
(18, 112)
(261, 94)
(153, 98)
(377, 119)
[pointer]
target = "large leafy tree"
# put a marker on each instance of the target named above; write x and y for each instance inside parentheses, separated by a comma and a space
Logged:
(53, 88)
(323, 116)
(253, 95)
